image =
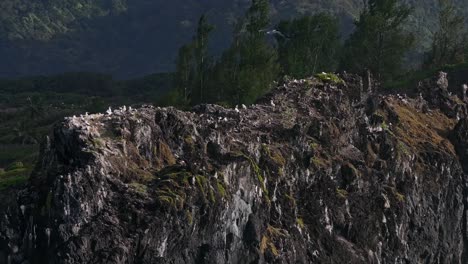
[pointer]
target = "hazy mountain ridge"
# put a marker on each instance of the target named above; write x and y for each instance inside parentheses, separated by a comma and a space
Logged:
(134, 38)
(43, 20)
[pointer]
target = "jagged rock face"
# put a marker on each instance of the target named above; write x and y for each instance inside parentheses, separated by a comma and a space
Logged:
(315, 172)
(436, 92)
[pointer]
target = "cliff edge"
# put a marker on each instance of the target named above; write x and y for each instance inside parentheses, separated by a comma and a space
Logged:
(321, 170)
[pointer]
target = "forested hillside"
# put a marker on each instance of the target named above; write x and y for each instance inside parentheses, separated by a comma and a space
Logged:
(134, 38)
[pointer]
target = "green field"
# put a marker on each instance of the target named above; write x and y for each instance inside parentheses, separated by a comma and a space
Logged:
(30, 107)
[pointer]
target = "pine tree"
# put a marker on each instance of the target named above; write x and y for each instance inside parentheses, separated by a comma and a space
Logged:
(449, 42)
(192, 67)
(258, 66)
(308, 45)
(249, 66)
(379, 42)
(225, 87)
(201, 57)
(184, 75)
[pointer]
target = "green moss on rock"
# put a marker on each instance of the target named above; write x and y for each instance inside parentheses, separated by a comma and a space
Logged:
(138, 187)
(342, 193)
(329, 77)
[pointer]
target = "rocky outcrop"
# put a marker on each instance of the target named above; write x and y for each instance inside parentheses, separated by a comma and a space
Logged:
(315, 172)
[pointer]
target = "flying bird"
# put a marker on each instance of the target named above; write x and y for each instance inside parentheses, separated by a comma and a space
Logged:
(273, 32)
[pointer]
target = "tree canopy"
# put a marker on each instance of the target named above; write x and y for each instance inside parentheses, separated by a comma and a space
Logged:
(450, 40)
(309, 44)
(380, 41)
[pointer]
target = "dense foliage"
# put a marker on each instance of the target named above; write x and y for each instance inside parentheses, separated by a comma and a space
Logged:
(42, 20)
(129, 39)
(379, 42)
(449, 42)
(29, 107)
(301, 47)
(245, 71)
(309, 44)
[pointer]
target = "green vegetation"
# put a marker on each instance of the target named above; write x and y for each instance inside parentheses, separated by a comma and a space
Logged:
(306, 46)
(171, 190)
(300, 223)
(104, 35)
(379, 42)
(342, 193)
(14, 175)
(13, 180)
(258, 174)
(140, 188)
(174, 186)
(410, 80)
(16, 163)
(271, 235)
(274, 155)
(314, 145)
(449, 44)
(193, 66)
(400, 197)
(244, 72)
(189, 216)
(329, 77)
(29, 108)
(44, 19)
(221, 189)
(309, 44)
(402, 148)
(318, 162)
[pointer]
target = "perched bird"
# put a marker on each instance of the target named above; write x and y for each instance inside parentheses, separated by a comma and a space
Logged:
(109, 111)
(124, 108)
(244, 107)
(237, 109)
(272, 103)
